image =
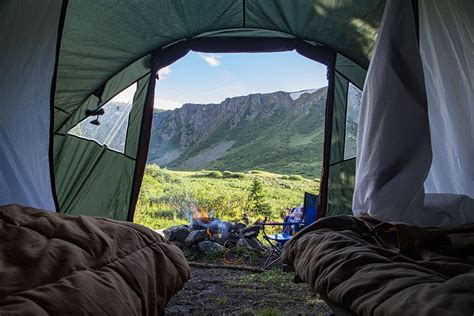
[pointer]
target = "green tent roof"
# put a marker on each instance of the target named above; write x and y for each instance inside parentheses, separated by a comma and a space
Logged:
(101, 38)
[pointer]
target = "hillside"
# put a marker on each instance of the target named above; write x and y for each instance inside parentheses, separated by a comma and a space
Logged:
(279, 132)
(166, 196)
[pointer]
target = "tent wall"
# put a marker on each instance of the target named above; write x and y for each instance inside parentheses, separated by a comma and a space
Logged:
(400, 126)
(449, 79)
(341, 188)
(92, 179)
(102, 38)
(341, 175)
(28, 36)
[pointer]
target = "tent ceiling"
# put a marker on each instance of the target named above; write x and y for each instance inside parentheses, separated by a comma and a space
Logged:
(100, 38)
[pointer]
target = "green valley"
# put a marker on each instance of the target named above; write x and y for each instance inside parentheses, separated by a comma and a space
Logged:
(166, 196)
(279, 132)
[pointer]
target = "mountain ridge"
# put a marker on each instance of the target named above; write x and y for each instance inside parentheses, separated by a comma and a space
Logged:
(269, 131)
(279, 132)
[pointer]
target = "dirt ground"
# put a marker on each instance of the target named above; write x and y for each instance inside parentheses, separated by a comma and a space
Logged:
(218, 291)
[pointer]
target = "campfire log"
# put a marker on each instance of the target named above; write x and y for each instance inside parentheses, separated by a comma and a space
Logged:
(238, 227)
(251, 231)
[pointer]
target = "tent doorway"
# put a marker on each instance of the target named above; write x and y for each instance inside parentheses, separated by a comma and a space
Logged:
(128, 167)
(246, 117)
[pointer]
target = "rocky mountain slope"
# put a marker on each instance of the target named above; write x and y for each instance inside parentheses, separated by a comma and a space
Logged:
(278, 132)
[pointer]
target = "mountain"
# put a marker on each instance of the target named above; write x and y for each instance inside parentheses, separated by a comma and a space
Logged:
(278, 132)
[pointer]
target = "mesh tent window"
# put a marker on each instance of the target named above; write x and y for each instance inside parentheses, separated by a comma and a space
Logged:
(110, 128)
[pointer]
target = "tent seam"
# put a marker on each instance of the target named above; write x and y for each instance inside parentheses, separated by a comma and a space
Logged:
(62, 18)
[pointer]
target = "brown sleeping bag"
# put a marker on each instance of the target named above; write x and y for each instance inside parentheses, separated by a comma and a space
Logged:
(57, 264)
(373, 268)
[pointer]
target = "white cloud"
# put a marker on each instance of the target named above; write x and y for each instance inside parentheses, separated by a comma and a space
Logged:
(126, 95)
(211, 59)
(166, 104)
(164, 72)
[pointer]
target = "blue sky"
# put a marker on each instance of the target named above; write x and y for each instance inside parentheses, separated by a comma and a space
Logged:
(210, 78)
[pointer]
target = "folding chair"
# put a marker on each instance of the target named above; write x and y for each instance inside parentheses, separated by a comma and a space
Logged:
(289, 228)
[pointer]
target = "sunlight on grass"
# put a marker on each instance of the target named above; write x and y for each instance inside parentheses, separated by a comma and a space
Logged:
(166, 195)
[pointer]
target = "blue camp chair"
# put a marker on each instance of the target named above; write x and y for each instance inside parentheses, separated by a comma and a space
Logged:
(289, 228)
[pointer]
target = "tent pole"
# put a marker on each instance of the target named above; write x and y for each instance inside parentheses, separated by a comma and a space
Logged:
(328, 121)
(144, 140)
(62, 18)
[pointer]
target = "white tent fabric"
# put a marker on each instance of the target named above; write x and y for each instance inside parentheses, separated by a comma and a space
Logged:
(394, 143)
(449, 77)
(25, 100)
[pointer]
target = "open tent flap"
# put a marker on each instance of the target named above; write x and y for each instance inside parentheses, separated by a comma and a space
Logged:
(449, 79)
(400, 127)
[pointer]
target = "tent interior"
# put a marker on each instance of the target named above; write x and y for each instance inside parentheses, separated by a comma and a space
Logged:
(62, 61)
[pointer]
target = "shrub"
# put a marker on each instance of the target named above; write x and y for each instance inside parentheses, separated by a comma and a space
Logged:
(238, 175)
(295, 177)
(214, 174)
(168, 214)
(153, 170)
(233, 175)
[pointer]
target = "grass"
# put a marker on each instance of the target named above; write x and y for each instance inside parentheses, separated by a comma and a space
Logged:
(273, 277)
(166, 196)
(279, 286)
(221, 300)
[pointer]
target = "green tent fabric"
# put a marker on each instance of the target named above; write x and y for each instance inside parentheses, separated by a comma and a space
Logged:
(101, 38)
(94, 180)
(106, 46)
(341, 179)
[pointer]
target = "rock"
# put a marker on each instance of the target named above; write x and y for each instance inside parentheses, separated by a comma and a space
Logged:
(195, 236)
(233, 237)
(244, 243)
(191, 252)
(178, 244)
(169, 231)
(197, 225)
(181, 234)
(210, 248)
(177, 233)
(226, 227)
(220, 240)
(251, 231)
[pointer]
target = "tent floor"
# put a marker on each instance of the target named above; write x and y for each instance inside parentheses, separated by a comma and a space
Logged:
(223, 291)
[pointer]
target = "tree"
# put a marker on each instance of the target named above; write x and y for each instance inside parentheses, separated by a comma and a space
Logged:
(256, 199)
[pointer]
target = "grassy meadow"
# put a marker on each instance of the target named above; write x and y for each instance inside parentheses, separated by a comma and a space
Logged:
(166, 196)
